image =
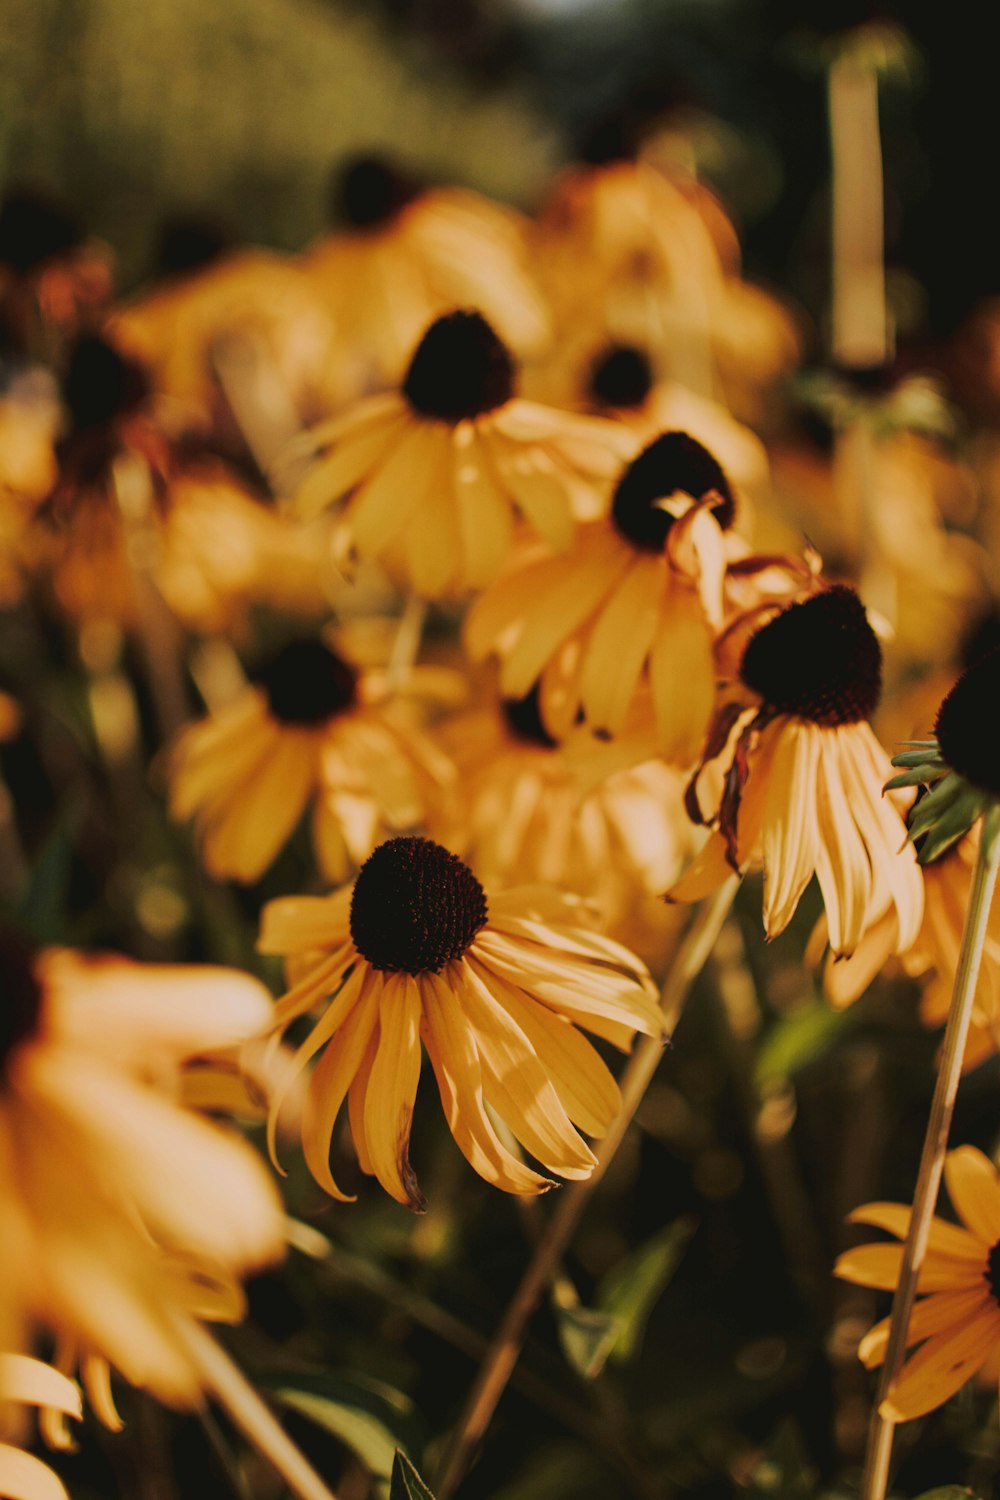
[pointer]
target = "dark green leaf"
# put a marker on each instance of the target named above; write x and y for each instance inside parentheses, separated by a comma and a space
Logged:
(629, 1293)
(369, 1418)
(587, 1337)
(406, 1482)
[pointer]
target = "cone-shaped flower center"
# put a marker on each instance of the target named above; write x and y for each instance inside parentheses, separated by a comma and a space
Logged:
(415, 907)
(369, 191)
(673, 464)
(100, 384)
(992, 1272)
(819, 660)
(621, 376)
(524, 719)
(20, 996)
(461, 369)
(307, 683)
(32, 230)
(964, 725)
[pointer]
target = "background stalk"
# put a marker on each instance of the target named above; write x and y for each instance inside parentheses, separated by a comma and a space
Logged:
(879, 1451)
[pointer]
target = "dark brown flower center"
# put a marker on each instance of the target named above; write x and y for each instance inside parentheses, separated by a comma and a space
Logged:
(460, 369)
(415, 907)
(965, 721)
(524, 719)
(20, 995)
(621, 376)
(33, 229)
(819, 660)
(673, 464)
(369, 191)
(101, 384)
(992, 1272)
(307, 683)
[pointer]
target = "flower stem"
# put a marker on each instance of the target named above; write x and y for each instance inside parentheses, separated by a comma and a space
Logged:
(503, 1353)
(880, 1434)
(227, 1383)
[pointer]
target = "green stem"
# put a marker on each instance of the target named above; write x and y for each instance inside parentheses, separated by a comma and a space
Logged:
(498, 1366)
(880, 1434)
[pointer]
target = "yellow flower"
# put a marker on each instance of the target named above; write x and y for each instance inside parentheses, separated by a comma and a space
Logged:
(29, 1382)
(956, 1321)
(435, 473)
(105, 1182)
(262, 306)
(799, 779)
(413, 952)
(310, 729)
(405, 257)
(637, 594)
(575, 815)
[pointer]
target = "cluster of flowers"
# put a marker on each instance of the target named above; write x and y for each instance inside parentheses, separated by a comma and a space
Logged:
(681, 695)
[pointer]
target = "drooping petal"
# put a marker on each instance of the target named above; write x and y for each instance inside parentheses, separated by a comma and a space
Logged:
(330, 1081)
(789, 836)
(451, 1047)
(392, 1089)
(25, 1477)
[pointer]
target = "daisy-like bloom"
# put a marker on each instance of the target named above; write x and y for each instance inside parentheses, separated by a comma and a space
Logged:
(798, 776)
(436, 472)
(309, 729)
(257, 302)
(29, 1382)
(103, 1179)
(223, 549)
(404, 257)
(956, 1319)
(637, 595)
(574, 815)
(495, 990)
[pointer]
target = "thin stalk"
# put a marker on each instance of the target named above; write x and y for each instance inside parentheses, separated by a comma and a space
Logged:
(227, 1383)
(880, 1434)
(406, 646)
(498, 1366)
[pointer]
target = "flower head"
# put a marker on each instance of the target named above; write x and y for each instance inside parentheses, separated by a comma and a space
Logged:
(310, 729)
(635, 598)
(495, 988)
(435, 473)
(103, 1179)
(799, 777)
(956, 1320)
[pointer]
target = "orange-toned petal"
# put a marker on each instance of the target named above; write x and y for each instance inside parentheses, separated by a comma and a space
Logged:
(974, 1189)
(25, 1477)
(930, 1315)
(330, 1081)
(790, 835)
(941, 1366)
(878, 1266)
(943, 1238)
(451, 1047)
(709, 869)
(392, 1089)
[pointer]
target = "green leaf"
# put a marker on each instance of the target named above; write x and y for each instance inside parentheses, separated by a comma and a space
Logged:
(948, 1492)
(797, 1039)
(41, 910)
(587, 1337)
(371, 1419)
(629, 1293)
(406, 1482)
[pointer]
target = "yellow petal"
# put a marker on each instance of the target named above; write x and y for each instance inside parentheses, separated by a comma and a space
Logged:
(24, 1477)
(331, 1078)
(930, 1315)
(943, 1238)
(941, 1366)
(451, 1047)
(35, 1383)
(619, 643)
(789, 836)
(392, 1089)
(974, 1189)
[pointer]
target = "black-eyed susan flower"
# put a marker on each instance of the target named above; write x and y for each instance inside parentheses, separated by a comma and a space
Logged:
(798, 777)
(956, 1319)
(495, 989)
(310, 730)
(436, 473)
(636, 598)
(25, 1381)
(576, 815)
(104, 1180)
(400, 257)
